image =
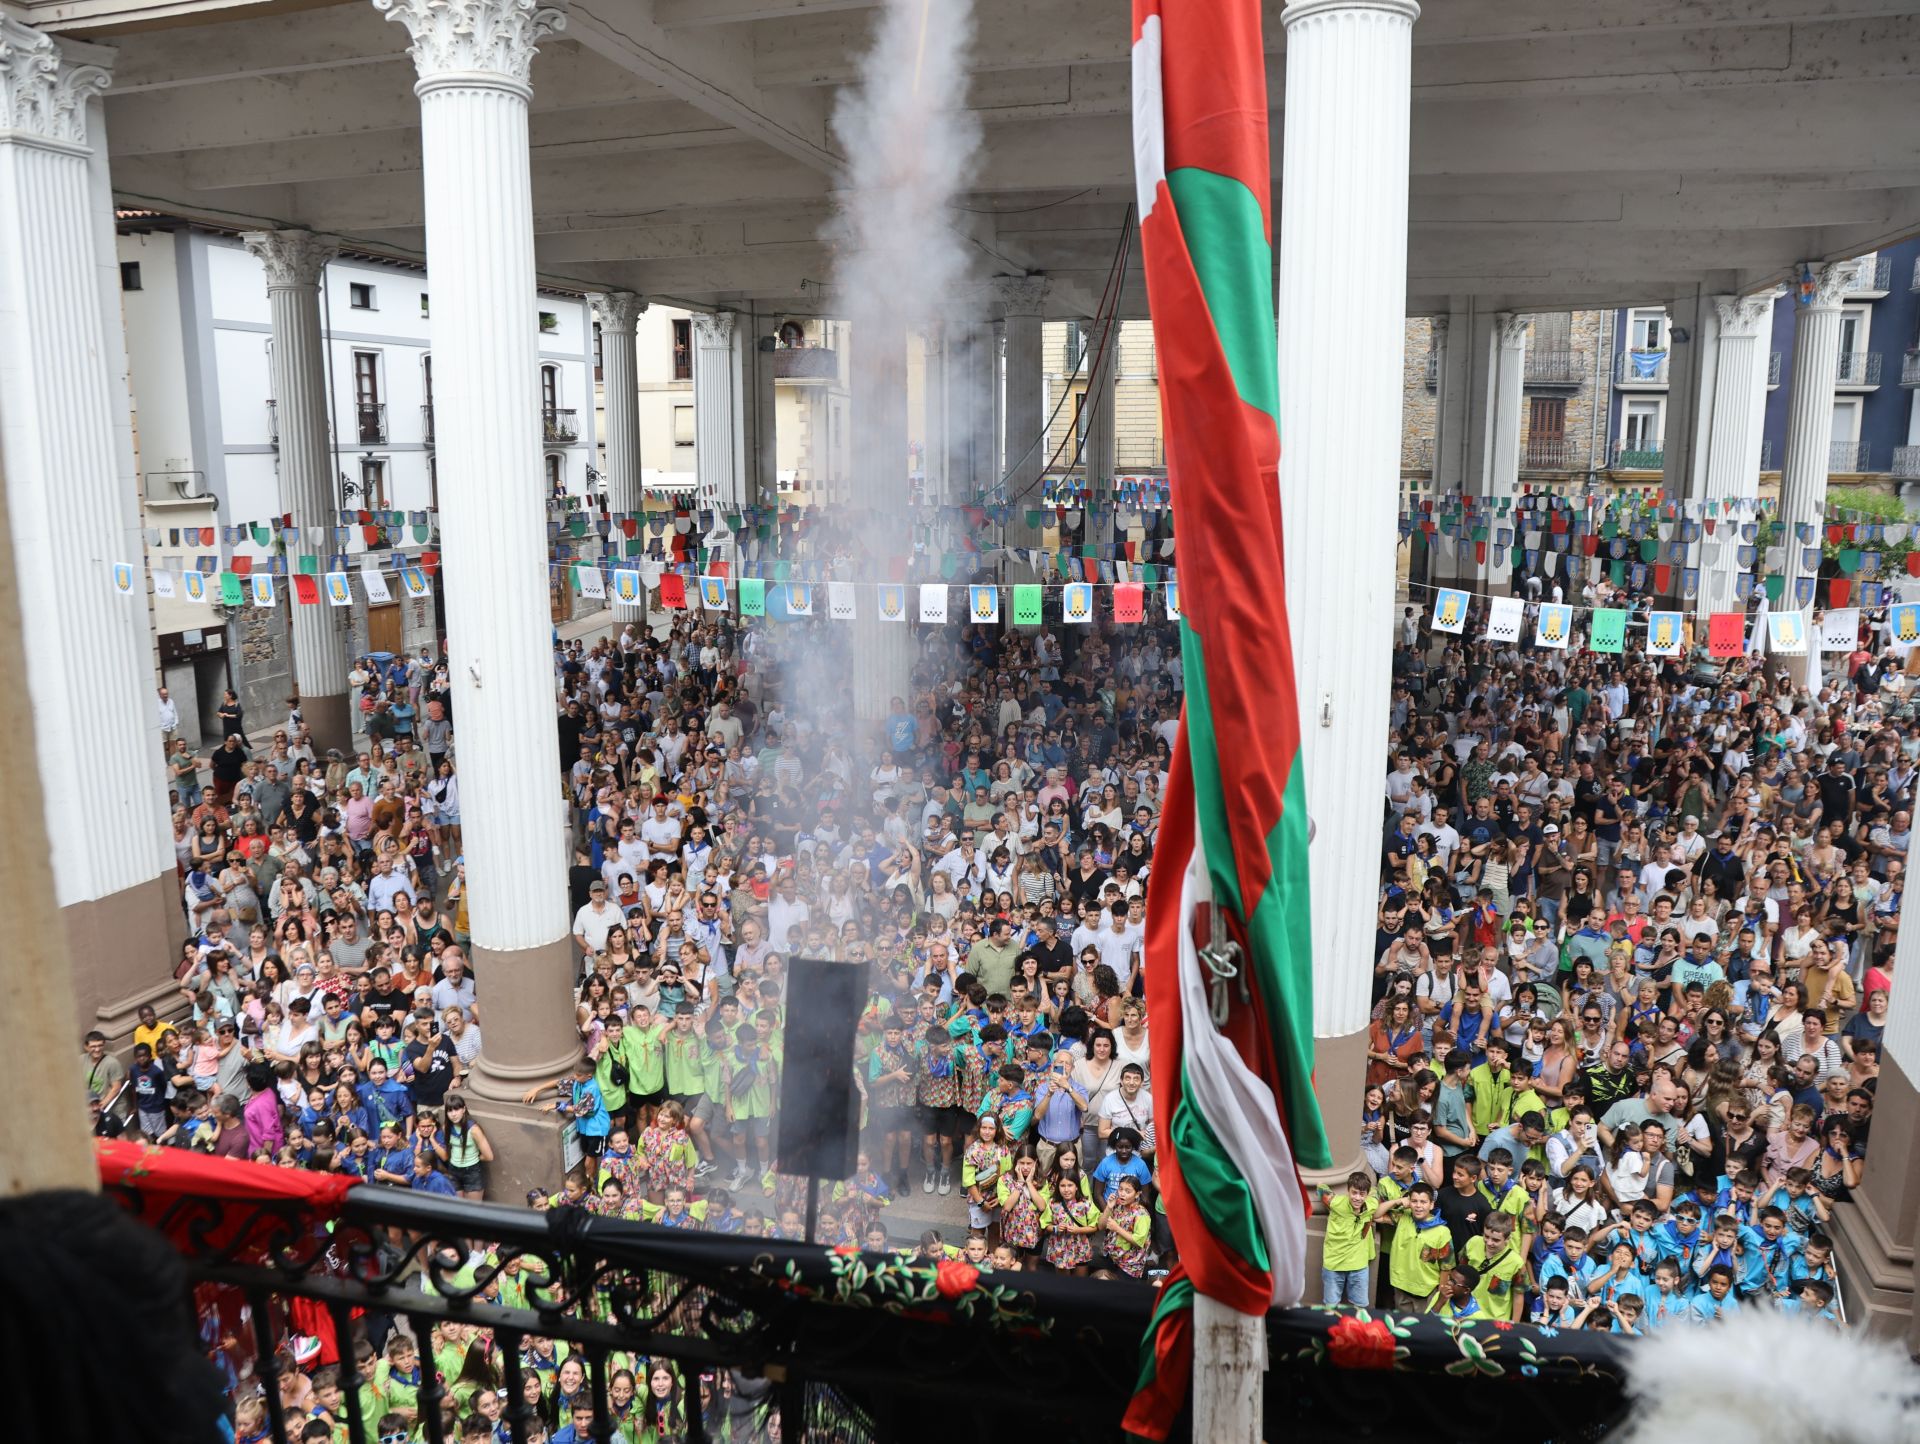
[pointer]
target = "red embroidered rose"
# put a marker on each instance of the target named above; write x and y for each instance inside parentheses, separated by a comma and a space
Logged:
(955, 1277)
(1352, 1344)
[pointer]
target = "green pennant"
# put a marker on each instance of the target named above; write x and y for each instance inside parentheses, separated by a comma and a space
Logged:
(577, 523)
(1026, 604)
(1776, 587)
(1650, 549)
(1618, 571)
(1849, 560)
(309, 566)
(1519, 557)
(1033, 518)
(782, 570)
(753, 597)
(949, 565)
(230, 593)
(1609, 632)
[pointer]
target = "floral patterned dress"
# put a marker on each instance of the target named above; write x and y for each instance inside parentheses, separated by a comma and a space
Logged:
(1066, 1250)
(629, 1170)
(1128, 1249)
(1024, 1217)
(670, 1157)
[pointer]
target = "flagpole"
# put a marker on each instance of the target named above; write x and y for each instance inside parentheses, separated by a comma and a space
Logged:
(1230, 1365)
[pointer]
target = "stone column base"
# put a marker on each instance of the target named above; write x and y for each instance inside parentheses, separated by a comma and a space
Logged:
(1339, 1079)
(330, 720)
(1874, 1233)
(123, 948)
(529, 1037)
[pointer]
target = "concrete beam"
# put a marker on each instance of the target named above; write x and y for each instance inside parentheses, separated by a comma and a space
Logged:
(337, 37)
(676, 14)
(708, 68)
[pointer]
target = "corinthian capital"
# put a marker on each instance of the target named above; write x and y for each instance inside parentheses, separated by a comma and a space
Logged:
(1020, 295)
(1743, 316)
(713, 328)
(1831, 282)
(616, 311)
(44, 95)
(292, 258)
(474, 39)
(1510, 328)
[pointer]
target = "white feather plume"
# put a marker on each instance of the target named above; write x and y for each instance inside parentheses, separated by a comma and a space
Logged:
(1769, 1378)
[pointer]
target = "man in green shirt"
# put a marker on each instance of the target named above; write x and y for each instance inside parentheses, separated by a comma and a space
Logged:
(992, 960)
(1491, 1087)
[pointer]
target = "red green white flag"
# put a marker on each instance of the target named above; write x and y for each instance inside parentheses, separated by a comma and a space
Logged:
(1237, 1097)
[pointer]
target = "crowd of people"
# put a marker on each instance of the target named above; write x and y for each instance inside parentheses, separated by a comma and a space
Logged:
(1635, 944)
(1634, 947)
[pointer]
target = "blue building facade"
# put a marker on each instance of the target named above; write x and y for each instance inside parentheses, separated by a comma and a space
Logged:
(1876, 427)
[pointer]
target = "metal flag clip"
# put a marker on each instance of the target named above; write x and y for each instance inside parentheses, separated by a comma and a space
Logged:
(1219, 955)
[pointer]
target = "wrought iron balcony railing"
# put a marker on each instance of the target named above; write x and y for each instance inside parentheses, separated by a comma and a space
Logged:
(1858, 368)
(1640, 454)
(1548, 453)
(1906, 462)
(1849, 456)
(426, 423)
(1910, 369)
(1641, 368)
(273, 423)
(370, 422)
(1556, 368)
(559, 427)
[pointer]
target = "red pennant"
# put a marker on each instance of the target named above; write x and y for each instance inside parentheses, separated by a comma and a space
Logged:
(1129, 602)
(1709, 526)
(1590, 544)
(1727, 634)
(630, 526)
(430, 561)
(206, 536)
(1913, 564)
(719, 569)
(373, 535)
(1662, 577)
(306, 589)
(242, 566)
(1560, 523)
(1838, 590)
(1836, 534)
(673, 590)
(363, 517)
(1480, 553)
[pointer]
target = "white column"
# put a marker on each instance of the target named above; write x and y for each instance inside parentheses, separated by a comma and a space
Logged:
(474, 59)
(1500, 448)
(74, 515)
(1023, 411)
(937, 347)
(1349, 86)
(617, 313)
(1733, 411)
(718, 455)
(295, 262)
(763, 447)
(1803, 474)
(883, 651)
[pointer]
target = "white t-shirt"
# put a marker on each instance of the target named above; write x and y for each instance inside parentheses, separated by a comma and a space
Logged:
(662, 837)
(594, 926)
(1137, 1115)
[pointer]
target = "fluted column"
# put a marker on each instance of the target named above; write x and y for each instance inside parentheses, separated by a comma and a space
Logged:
(1735, 410)
(1103, 367)
(63, 407)
(617, 313)
(1803, 474)
(474, 59)
(1023, 411)
(883, 651)
(295, 261)
(1505, 399)
(718, 456)
(1341, 356)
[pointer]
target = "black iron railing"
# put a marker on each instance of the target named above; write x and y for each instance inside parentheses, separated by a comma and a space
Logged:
(817, 1343)
(370, 422)
(560, 426)
(426, 423)
(1548, 453)
(1556, 368)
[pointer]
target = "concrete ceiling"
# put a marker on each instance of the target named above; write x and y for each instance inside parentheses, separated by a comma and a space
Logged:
(1563, 154)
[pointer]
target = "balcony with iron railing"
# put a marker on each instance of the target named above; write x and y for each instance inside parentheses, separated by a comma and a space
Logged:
(1640, 453)
(370, 423)
(1852, 456)
(760, 1337)
(1906, 462)
(1555, 368)
(1858, 368)
(1549, 453)
(1641, 368)
(1766, 453)
(1872, 276)
(1139, 453)
(1910, 369)
(559, 426)
(1773, 368)
(426, 423)
(805, 363)
(1433, 368)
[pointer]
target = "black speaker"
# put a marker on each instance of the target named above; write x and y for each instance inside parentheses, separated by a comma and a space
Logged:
(817, 1129)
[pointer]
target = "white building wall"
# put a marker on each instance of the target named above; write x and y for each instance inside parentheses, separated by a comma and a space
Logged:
(164, 435)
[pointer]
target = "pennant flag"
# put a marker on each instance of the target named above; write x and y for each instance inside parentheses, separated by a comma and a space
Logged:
(262, 584)
(1236, 1095)
(933, 603)
(1129, 602)
(306, 590)
(753, 597)
(1505, 616)
(1449, 611)
(163, 583)
(1026, 605)
(673, 591)
(232, 593)
(893, 602)
(1727, 634)
(123, 578)
(337, 593)
(415, 581)
(797, 597)
(1903, 625)
(195, 586)
(840, 603)
(1173, 601)
(983, 604)
(626, 587)
(713, 593)
(1664, 634)
(376, 584)
(1076, 602)
(590, 582)
(1840, 630)
(1555, 625)
(1787, 634)
(1608, 631)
